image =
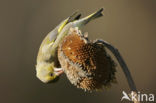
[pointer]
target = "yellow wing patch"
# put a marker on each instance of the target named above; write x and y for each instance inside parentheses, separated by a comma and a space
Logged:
(61, 27)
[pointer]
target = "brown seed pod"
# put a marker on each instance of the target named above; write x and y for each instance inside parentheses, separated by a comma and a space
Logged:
(86, 64)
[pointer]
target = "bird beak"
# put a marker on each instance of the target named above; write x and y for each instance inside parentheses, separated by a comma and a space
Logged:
(58, 71)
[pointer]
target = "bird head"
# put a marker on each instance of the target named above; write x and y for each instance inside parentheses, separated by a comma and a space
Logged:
(47, 73)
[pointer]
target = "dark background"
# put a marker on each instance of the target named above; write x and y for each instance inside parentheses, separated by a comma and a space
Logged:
(130, 25)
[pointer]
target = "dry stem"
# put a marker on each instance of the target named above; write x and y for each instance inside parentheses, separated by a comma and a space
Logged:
(123, 65)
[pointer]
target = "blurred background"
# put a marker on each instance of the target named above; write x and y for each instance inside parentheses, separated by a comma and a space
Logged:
(130, 25)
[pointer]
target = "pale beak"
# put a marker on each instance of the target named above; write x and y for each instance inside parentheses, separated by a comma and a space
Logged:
(58, 71)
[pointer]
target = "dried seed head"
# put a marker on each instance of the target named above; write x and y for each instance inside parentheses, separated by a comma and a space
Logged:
(86, 64)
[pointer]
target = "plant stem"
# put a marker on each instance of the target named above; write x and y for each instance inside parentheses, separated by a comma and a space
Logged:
(122, 63)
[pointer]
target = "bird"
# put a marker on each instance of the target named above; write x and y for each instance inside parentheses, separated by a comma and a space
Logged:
(48, 68)
(86, 63)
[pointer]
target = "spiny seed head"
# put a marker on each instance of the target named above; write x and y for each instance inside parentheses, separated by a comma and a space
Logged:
(86, 64)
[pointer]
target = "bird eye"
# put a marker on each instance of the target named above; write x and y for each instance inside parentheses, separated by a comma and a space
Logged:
(51, 74)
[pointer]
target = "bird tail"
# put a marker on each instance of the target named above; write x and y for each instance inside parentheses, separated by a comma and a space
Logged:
(94, 15)
(89, 18)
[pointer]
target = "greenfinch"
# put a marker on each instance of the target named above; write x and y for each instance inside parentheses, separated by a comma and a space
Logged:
(48, 68)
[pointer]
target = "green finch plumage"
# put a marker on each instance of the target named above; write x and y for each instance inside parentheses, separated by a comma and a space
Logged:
(48, 68)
